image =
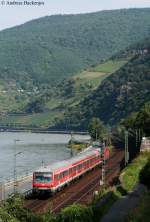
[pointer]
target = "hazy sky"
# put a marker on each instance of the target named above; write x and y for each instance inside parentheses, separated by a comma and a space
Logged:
(15, 15)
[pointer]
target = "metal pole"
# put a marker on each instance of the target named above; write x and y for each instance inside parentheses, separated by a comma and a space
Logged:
(136, 134)
(4, 190)
(139, 135)
(71, 151)
(1, 191)
(96, 134)
(15, 168)
(126, 148)
(103, 165)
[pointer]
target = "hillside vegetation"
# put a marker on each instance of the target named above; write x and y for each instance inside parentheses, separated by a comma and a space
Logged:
(46, 109)
(50, 49)
(120, 94)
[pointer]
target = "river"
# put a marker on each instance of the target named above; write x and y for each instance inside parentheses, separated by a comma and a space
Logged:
(33, 150)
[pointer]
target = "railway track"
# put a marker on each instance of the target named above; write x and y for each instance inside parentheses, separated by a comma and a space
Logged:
(80, 191)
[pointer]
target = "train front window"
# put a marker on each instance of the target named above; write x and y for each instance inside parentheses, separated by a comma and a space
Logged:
(43, 177)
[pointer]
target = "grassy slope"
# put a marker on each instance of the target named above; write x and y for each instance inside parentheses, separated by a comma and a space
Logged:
(91, 78)
(110, 66)
(130, 175)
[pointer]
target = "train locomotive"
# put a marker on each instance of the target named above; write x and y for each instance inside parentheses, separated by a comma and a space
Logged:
(53, 177)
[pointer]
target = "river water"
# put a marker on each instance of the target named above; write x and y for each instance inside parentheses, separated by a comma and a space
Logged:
(33, 150)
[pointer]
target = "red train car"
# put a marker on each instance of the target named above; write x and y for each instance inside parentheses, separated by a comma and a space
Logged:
(53, 177)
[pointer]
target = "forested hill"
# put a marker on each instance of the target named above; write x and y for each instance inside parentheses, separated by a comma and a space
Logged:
(52, 48)
(120, 94)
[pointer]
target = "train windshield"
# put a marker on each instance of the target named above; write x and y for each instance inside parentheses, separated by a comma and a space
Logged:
(43, 177)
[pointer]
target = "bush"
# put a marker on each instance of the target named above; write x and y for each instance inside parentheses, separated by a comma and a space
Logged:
(76, 213)
(145, 174)
(14, 208)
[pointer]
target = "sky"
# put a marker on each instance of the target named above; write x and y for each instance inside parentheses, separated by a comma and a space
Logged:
(12, 15)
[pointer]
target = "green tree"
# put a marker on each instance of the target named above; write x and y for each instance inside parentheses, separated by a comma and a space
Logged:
(145, 174)
(97, 129)
(143, 119)
(76, 213)
(14, 209)
(129, 122)
(35, 106)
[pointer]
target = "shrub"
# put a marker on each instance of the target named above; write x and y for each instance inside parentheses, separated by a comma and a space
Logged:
(76, 213)
(145, 174)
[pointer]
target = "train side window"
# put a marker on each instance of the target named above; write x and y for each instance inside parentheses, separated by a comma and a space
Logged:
(70, 170)
(60, 175)
(56, 177)
(74, 169)
(65, 173)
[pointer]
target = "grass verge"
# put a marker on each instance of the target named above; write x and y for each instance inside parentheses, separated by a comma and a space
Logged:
(130, 175)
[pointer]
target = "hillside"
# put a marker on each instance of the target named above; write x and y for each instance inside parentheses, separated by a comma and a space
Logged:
(43, 110)
(47, 50)
(123, 92)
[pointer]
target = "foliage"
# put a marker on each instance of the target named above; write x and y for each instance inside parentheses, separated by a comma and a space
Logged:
(130, 121)
(97, 129)
(35, 106)
(49, 49)
(76, 213)
(145, 174)
(110, 66)
(120, 94)
(44, 58)
(49, 217)
(139, 120)
(51, 101)
(6, 217)
(143, 119)
(14, 211)
(130, 175)
(103, 202)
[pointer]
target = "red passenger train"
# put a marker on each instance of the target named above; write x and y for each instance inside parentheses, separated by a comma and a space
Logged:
(53, 177)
